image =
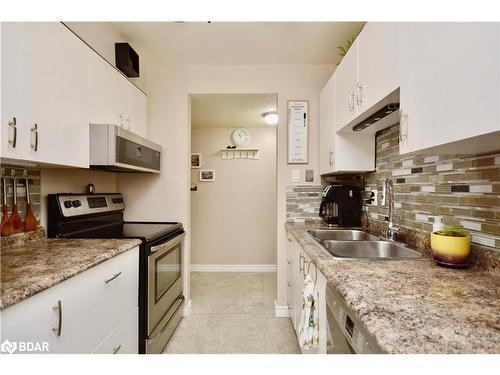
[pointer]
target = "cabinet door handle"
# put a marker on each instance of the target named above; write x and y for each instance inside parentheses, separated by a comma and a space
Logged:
(403, 119)
(289, 261)
(34, 137)
(301, 264)
(351, 101)
(115, 350)
(58, 308)
(13, 127)
(330, 158)
(359, 93)
(112, 278)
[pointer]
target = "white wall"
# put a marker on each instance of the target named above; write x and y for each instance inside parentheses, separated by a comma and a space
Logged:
(233, 219)
(166, 197)
(59, 180)
(102, 37)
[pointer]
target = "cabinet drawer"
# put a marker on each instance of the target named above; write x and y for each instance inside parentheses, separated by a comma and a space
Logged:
(124, 339)
(96, 301)
(90, 308)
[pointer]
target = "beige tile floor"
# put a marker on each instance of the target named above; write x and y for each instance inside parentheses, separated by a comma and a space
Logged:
(233, 313)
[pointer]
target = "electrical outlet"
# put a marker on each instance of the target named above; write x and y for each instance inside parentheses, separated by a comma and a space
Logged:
(374, 197)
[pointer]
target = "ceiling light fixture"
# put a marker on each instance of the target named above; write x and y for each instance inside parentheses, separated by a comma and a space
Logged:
(271, 118)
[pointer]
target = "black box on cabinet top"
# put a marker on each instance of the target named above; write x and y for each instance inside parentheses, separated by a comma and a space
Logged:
(127, 60)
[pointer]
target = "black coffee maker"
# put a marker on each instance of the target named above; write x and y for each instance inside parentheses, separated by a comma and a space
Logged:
(341, 206)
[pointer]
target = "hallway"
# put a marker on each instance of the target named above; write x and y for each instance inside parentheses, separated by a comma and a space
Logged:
(233, 313)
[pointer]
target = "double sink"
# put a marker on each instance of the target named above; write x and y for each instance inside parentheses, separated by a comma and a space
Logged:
(358, 244)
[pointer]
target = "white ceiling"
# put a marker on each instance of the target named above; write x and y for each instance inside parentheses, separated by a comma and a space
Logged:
(238, 43)
(231, 110)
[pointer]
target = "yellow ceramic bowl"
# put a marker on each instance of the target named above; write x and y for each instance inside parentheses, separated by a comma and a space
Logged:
(450, 251)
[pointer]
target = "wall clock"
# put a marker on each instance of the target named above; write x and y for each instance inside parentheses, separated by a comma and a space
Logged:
(240, 137)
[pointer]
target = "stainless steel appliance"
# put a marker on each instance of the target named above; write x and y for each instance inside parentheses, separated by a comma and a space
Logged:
(160, 256)
(115, 149)
(346, 334)
(341, 206)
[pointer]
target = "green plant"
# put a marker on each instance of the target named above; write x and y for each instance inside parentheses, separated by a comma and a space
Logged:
(453, 231)
(344, 49)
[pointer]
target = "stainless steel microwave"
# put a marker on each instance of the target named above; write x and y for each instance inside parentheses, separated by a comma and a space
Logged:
(115, 149)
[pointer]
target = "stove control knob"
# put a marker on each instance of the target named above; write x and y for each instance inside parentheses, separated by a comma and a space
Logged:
(76, 203)
(68, 204)
(117, 200)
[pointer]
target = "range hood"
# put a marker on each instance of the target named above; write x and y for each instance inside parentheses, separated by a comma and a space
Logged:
(382, 115)
(118, 150)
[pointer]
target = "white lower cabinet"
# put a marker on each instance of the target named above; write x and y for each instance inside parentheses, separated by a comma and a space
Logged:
(124, 339)
(76, 315)
(299, 264)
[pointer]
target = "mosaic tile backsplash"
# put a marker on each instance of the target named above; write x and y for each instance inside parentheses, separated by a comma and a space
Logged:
(303, 201)
(34, 187)
(463, 190)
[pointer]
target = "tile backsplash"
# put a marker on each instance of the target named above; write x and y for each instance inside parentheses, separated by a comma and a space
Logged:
(34, 187)
(303, 201)
(464, 190)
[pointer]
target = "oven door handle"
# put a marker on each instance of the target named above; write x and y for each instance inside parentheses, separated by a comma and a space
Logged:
(168, 244)
(152, 338)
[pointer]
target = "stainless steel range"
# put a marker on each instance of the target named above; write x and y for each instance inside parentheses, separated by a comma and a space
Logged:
(160, 263)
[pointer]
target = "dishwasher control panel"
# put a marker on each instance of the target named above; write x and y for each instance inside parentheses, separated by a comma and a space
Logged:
(347, 332)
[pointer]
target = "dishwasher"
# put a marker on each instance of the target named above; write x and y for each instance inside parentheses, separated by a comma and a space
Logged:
(345, 333)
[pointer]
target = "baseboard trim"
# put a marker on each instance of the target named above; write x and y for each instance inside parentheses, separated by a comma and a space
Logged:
(233, 268)
(187, 309)
(281, 311)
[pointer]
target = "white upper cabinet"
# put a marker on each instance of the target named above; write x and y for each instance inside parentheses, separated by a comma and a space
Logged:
(341, 152)
(54, 85)
(449, 77)
(113, 99)
(54, 78)
(327, 127)
(377, 63)
(104, 107)
(345, 88)
(367, 74)
(14, 129)
(139, 114)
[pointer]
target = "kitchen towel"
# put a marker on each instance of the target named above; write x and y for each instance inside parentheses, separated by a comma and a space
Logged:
(308, 325)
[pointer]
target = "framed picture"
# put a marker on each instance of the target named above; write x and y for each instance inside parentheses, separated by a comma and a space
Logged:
(298, 131)
(207, 175)
(195, 160)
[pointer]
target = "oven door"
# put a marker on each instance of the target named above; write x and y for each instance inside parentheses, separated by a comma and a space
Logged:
(164, 279)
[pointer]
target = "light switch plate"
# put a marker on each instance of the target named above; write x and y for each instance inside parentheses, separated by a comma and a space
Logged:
(309, 175)
(295, 175)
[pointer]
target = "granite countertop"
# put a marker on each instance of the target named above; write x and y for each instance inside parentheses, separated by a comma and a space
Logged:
(414, 306)
(35, 266)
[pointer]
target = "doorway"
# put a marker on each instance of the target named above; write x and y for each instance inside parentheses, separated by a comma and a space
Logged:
(233, 182)
(233, 229)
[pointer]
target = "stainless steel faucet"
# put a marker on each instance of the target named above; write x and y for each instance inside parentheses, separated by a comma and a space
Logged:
(392, 229)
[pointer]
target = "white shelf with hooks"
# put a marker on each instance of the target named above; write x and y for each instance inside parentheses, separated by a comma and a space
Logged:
(240, 153)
